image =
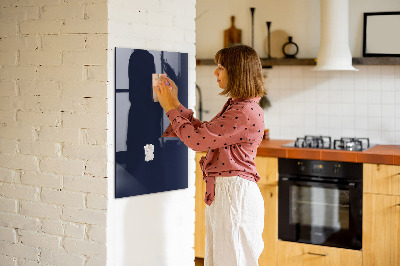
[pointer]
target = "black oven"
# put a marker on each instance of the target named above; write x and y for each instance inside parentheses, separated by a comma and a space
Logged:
(320, 202)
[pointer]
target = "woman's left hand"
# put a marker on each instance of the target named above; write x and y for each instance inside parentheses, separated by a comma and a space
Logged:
(164, 96)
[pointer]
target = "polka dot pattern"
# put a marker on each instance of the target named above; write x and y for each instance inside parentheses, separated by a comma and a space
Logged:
(231, 138)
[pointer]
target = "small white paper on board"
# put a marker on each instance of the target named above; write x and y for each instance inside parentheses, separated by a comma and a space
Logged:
(149, 152)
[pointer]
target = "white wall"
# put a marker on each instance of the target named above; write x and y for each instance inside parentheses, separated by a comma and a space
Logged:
(53, 185)
(338, 104)
(298, 18)
(155, 229)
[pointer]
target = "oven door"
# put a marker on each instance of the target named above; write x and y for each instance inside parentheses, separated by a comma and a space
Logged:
(320, 212)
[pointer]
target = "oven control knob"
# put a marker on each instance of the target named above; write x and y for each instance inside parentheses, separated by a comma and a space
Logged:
(336, 169)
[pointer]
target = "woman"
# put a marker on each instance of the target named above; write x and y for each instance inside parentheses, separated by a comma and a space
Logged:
(235, 207)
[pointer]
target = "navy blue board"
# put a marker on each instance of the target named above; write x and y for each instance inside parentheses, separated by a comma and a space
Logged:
(140, 121)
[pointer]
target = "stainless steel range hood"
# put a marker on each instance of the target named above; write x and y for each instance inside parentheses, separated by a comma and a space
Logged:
(334, 52)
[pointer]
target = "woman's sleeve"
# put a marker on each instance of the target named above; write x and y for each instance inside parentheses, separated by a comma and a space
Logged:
(223, 131)
(186, 113)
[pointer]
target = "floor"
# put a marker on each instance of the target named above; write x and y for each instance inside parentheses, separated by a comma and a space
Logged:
(199, 262)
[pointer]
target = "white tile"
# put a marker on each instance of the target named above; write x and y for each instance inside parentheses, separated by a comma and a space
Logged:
(308, 72)
(334, 109)
(310, 108)
(285, 132)
(335, 122)
(388, 110)
(388, 137)
(388, 97)
(322, 122)
(397, 134)
(347, 109)
(334, 81)
(374, 84)
(348, 132)
(296, 71)
(360, 133)
(397, 72)
(397, 84)
(388, 124)
(374, 123)
(361, 97)
(297, 83)
(361, 110)
(285, 71)
(387, 72)
(286, 120)
(322, 109)
(361, 123)
(375, 136)
(285, 83)
(322, 96)
(374, 110)
(310, 95)
(348, 123)
(388, 84)
(373, 70)
(348, 96)
(335, 95)
(374, 97)
(321, 83)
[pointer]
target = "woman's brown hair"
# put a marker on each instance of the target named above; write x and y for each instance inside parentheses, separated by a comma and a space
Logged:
(245, 78)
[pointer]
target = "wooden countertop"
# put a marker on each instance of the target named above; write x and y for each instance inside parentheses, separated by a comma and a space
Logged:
(379, 154)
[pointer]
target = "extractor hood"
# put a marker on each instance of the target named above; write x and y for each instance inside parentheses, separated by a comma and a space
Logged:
(334, 51)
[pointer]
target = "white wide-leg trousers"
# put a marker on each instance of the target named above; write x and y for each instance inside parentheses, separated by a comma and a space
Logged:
(234, 223)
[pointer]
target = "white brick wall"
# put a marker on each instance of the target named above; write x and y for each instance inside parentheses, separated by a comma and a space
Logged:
(53, 109)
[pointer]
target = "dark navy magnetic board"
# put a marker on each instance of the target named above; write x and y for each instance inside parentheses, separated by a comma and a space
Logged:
(139, 121)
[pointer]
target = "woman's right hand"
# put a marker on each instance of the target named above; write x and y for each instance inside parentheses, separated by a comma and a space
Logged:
(174, 90)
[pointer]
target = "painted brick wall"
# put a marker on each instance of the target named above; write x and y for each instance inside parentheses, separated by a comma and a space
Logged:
(155, 229)
(53, 105)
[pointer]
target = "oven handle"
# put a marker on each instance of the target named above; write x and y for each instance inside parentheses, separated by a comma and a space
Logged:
(297, 181)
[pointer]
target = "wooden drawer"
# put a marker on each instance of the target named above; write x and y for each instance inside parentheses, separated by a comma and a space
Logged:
(381, 179)
(298, 254)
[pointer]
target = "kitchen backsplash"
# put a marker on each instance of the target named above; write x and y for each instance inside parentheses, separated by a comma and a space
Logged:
(337, 104)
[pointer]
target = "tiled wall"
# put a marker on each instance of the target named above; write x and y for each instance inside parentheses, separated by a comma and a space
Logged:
(338, 104)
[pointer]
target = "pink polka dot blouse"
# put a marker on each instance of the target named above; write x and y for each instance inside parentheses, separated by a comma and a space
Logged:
(231, 139)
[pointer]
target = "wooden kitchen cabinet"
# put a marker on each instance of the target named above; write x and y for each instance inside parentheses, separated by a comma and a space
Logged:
(267, 168)
(381, 215)
(270, 233)
(381, 179)
(381, 230)
(298, 254)
(200, 207)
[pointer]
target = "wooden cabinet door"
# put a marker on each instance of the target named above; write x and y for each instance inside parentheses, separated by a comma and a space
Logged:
(381, 230)
(270, 233)
(297, 254)
(267, 168)
(200, 207)
(381, 179)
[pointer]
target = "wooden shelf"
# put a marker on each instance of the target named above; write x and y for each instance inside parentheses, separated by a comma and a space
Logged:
(312, 61)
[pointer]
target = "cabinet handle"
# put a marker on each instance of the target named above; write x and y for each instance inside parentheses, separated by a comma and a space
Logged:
(398, 204)
(318, 254)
